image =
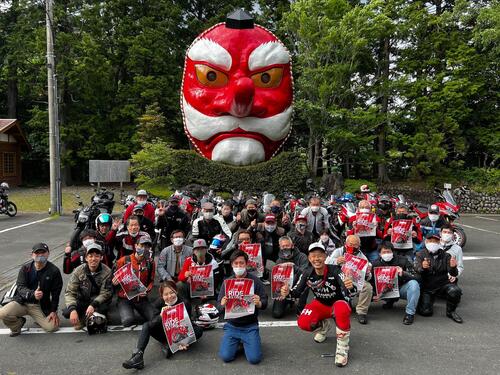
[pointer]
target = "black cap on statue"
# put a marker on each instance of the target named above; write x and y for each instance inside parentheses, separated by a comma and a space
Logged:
(239, 19)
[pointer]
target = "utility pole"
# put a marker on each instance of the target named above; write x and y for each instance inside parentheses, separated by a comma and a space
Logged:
(54, 151)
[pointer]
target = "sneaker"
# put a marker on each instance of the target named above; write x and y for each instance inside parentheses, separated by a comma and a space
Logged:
(18, 332)
(362, 319)
(454, 316)
(136, 361)
(320, 333)
(408, 319)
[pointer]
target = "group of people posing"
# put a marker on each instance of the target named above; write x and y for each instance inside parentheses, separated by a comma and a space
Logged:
(429, 265)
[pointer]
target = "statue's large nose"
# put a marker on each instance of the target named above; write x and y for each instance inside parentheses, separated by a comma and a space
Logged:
(244, 91)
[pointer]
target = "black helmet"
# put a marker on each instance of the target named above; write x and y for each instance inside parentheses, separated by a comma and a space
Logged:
(96, 324)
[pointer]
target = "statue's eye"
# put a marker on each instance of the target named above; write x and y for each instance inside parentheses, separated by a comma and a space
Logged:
(210, 77)
(269, 79)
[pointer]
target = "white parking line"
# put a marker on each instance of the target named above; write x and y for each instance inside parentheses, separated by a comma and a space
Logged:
(25, 225)
(480, 229)
(486, 218)
(113, 329)
(479, 258)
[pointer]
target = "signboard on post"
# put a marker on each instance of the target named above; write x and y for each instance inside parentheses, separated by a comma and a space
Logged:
(109, 171)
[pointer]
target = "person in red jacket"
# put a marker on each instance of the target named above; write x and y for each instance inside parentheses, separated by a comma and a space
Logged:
(200, 257)
(144, 268)
(124, 240)
(403, 239)
(149, 210)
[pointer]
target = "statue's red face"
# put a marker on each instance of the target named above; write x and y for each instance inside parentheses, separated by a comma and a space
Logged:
(237, 94)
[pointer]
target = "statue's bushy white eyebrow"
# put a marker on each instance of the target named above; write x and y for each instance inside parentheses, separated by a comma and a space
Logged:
(209, 51)
(268, 54)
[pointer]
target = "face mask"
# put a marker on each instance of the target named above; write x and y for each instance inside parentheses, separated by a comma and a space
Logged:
(401, 216)
(252, 212)
(364, 210)
(140, 251)
(286, 253)
(351, 249)
(275, 209)
(314, 208)
(173, 208)
(387, 257)
(325, 239)
(239, 271)
(87, 243)
(432, 247)
(178, 241)
(384, 206)
(433, 217)
(173, 303)
(208, 215)
(41, 259)
(300, 227)
(447, 237)
(270, 228)
(199, 254)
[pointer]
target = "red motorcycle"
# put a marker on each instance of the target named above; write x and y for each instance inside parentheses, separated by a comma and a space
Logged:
(448, 209)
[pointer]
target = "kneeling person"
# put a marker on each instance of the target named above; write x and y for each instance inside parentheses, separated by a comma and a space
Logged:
(89, 289)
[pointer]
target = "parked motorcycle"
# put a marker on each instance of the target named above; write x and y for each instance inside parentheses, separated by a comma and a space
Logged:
(6, 207)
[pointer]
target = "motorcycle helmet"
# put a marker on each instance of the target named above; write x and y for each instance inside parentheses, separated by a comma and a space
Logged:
(364, 188)
(4, 185)
(217, 242)
(206, 316)
(97, 324)
(384, 202)
(103, 219)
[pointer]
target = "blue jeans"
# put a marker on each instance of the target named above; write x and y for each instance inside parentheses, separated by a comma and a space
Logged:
(411, 293)
(247, 335)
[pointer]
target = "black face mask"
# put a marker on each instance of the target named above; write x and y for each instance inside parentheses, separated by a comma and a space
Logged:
(252, 212)
(401, 216)
(384, 206)
(173, 208)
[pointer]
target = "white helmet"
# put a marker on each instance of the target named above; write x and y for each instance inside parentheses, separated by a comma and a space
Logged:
(206, 316)
(364, 188)
(4, 185)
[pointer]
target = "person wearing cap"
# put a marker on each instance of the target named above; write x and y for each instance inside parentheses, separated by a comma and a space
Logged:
(435, 265)
(89, 289)
(170, 218)
(149, 210)
(39, 284)
(409, 288)
(332, 292)
(172, 257)
(124, 240)
(407, 248)
(249, 217)
(432, 223)
(353, 246)
(145, 224)
(144, 268)
(384, 209)
(268, 234)
(300, 236)
(206, 227)
(200, 257)
(243, 330)
(317, 217)
(74, 258)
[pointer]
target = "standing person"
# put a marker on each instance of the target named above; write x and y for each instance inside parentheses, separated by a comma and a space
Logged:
(89, 290)
(434, 266)
(332, 295)
(409, 288)
(384, 210)
(145, 224)
(449, 245)
(172, 257)
(317, 217)
(282, 218)
(154, 328)
(149, 210)
(169, 219)
(249, 217)
(206, 227)
(124, 240)
(300, 236)
(352, 246)
(289, 254)
(143, 267)
(245, 329)
(39, 284)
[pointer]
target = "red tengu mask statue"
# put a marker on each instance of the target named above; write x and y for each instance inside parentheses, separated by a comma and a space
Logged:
(237, 92)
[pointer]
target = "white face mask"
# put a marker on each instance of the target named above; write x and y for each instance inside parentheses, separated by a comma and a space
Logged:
(87, 243)
(364, 210)
(178, 241)
(239, 271)
(325, 239)
(132, 234)
(208, 215)
(173, 303)
(387, 257)
(432, 247)
(270, 228)
(314, 208)
(447, 237)
(433, 217)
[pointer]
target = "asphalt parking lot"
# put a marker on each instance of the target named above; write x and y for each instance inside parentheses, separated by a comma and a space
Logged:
(384, 346)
